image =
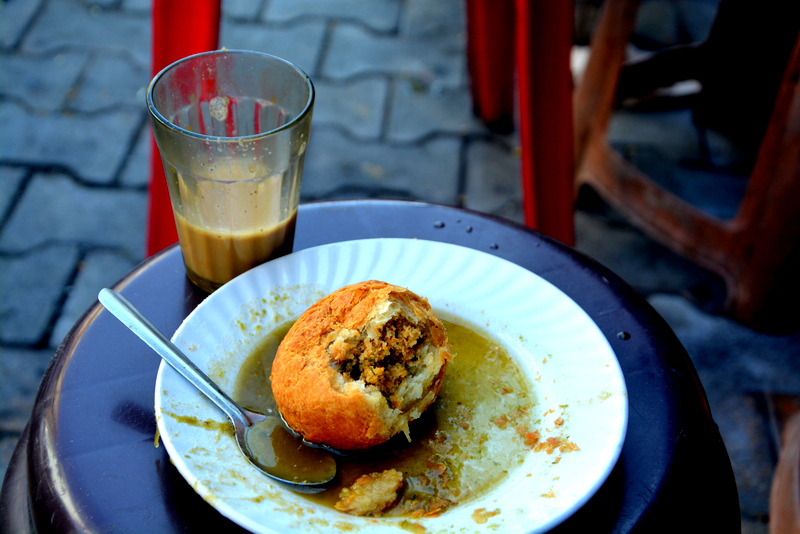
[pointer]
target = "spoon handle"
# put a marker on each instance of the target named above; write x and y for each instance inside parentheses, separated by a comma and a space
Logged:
(144, 329)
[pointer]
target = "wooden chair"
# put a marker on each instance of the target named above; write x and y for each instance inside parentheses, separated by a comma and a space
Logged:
(180, 28)
(784, 498)
(756, 252)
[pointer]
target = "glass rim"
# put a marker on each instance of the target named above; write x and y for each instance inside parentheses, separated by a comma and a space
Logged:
(155, 113)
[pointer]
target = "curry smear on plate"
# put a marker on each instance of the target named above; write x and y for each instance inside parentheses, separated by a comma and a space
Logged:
(480, 428)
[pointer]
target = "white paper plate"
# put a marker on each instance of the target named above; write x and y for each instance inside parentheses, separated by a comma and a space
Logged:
(546, 332)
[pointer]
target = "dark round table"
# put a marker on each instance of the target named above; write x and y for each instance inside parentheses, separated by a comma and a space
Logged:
(87, 460)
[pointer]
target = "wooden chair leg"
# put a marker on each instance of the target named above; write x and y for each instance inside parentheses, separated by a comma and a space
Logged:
(180, 28)
(595, 96)
(764, 242)
(784, 499)
(750, 252)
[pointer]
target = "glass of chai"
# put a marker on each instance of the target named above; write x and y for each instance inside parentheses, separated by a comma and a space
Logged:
(232, 127)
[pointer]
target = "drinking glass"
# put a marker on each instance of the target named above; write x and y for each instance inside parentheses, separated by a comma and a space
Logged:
(232, 128)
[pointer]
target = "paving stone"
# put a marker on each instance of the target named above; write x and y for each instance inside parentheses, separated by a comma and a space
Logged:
(419, 111)
(136, 172)
(730, 356)
(110, 82)
(138, 6)
(339, 167)
(300, 44)
(493, 180)
(673, 132)
(241, 9)
(425, 19)
(10, 181)
(27, 366)
(380, 15)
(354, 51)
(736, 365)
(55, 208)
(745, 431)
(646, 265)
(14, 19)
(42, 82)
(357, 106)
(98, 269)
(99, 5)
(29, 298)
(674, 136)
(717, 191)
(72, 24)
(92, 146)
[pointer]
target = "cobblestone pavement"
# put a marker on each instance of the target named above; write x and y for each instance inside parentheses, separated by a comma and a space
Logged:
(392, 120)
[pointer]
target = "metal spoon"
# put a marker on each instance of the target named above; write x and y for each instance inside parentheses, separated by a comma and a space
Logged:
(263, 440)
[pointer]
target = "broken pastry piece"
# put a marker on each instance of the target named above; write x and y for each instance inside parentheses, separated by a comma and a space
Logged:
(370, 494)
(359, 365)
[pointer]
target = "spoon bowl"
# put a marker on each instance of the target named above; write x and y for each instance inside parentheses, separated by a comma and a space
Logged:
(264, 441)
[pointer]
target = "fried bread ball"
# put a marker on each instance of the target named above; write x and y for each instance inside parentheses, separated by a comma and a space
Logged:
(359, 365)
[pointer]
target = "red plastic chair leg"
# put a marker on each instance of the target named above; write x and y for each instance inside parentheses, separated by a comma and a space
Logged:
(490, 60)
(180, 28)
(544, 34)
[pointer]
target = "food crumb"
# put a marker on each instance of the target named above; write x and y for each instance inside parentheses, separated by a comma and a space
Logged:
(549, 495)
(370, 494)
(552, 444)
(464, 417)
(422, 507)
(531, 438)
(503, 420)
(481, 515)
(413, 527)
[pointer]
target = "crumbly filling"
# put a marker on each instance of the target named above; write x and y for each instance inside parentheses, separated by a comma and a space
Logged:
(383, 361)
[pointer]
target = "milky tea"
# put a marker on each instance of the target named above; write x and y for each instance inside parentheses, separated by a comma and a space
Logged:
(232, 129)
(227, 227)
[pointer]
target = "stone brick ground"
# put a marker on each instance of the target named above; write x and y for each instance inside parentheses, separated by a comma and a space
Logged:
(392, 120)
